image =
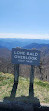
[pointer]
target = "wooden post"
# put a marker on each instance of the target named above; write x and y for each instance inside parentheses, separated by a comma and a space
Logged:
(41, 74)
(16, 77)
(31, 90)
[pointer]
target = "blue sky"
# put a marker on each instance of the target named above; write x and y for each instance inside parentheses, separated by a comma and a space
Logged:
(24, 18)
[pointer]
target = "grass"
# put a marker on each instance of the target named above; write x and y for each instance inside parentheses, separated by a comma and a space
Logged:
(41, 89)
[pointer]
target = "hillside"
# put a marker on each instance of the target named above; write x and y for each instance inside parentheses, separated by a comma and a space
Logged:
(5, 53)
(41, 89)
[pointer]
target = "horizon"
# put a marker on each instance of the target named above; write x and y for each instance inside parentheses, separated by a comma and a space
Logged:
(24, 36)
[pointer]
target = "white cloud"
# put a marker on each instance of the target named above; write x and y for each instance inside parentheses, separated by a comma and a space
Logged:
(26, 36)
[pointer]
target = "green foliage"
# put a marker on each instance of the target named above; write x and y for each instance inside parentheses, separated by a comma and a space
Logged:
(41, 89)
(41, 83)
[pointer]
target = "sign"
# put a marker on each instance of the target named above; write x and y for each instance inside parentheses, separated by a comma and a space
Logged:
(25, 56)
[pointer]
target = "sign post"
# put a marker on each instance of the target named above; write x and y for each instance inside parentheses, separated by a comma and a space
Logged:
(16, 77)
(31, 89)
(28, 57)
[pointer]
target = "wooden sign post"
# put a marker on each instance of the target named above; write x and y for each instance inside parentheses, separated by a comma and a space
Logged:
(31, 89)
(28, 57)
(16, 77)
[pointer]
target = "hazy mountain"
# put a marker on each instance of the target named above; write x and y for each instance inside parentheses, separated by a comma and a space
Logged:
(24, 43)
(1, 46)
(36, 45)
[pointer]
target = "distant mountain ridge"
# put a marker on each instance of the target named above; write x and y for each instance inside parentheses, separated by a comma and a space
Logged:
(36, 45)
(24, 43)
(1, 46)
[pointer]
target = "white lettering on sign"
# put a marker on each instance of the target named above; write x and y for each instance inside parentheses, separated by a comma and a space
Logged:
(15, 56)
(23, 53)
(19, 52)
(25, 56)
(32, 54)
(36, 54)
